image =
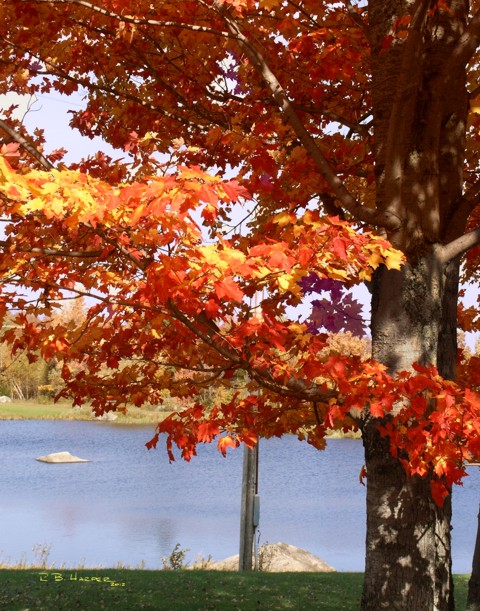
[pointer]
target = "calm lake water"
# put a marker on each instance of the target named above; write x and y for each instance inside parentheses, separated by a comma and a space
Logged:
(131, 505)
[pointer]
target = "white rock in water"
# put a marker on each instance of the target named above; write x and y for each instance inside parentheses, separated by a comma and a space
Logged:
(278, 558)
(107, 416)
(61, 457)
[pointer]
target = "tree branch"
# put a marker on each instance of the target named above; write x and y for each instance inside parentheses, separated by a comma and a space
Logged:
(309, 17)
(466, 46)
(459, 246)
(461, 212)
(293, 388)
(92, 86)
(347, 200)
(356, 18)
(25, 144)
(134, 20)
(53, 252)
(354, 126)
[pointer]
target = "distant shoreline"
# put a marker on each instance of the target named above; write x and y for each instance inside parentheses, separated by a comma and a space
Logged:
(31, 410)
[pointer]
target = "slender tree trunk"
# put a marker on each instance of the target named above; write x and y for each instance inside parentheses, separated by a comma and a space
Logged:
(473, 599)
(408, 557)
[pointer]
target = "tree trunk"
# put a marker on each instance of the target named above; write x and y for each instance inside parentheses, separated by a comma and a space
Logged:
(408, 559)
(407, 564)
(473, 599)
(419, 117)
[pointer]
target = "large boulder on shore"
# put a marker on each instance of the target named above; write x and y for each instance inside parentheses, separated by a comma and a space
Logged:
(277, 558)
(61, 457)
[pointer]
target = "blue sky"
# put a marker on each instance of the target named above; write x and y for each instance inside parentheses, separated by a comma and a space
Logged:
(50, 112)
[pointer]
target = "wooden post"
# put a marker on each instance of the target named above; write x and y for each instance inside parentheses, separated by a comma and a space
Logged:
(249, 489)
(249, 523)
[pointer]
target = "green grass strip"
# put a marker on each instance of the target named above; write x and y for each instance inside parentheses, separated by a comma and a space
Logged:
(29, 410)
(189, 590)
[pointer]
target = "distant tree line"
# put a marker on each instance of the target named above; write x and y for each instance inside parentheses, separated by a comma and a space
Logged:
(32, 377)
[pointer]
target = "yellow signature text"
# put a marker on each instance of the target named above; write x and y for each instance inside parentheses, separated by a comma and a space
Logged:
(57, 577)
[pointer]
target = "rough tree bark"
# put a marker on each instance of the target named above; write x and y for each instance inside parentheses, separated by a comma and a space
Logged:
(420, 116)
(408, 562)
(408, 538)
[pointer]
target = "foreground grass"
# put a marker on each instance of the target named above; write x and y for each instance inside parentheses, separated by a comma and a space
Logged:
(29, 410)
(122, 589)
(177, 590)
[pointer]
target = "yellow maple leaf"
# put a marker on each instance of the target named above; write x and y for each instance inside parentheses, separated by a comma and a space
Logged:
(57, 206)
(48, 188)
(284, 218)
(394, 258)
(285, 282)
(375, 259)
(33, 205)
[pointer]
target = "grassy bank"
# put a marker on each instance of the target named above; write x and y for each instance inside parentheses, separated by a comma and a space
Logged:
(184, 590)
(29, 410)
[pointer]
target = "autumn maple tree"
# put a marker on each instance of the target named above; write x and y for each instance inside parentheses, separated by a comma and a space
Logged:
(271, 150)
